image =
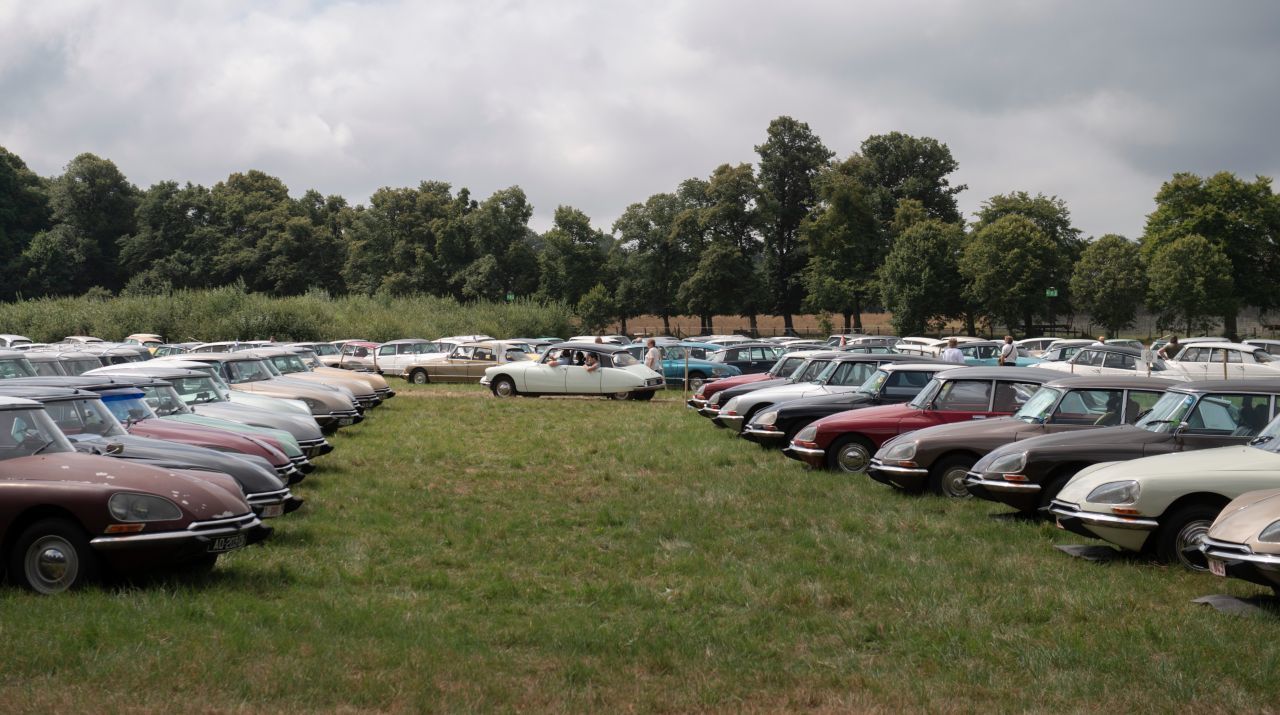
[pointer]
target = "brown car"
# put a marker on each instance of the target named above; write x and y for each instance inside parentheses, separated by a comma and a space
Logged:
(939, 458)
(467, 362)
(65, 517)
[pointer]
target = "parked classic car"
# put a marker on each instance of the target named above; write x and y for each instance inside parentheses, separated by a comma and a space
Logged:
(618, 374)
(467, 362)
(1223, 360)
(124, 516)
(213, 370)
(1028, 474)
(328, 354)
(1165, 504)
(150, 341)
(1244, 541)
(11, 341)
(285, 363)
(15, 364)
(679, 357)
(808, 371)
(781, 369)
(986, 353)
(393, 357)
(374, 380)
(892, 383)
(1060, 350)
(845, 373)
(1098, 359)
(939, 458)
(929, 347)
(846, 441)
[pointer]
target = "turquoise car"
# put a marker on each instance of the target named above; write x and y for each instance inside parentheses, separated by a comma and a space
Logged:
(985, 352)
(673, 363)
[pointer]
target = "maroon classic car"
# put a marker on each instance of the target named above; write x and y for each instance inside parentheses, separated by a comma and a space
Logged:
(846, 441)
(66, 517)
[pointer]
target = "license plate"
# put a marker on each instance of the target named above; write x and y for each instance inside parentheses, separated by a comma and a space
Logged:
(346, 421)
(272, 510)
(1217, 568)
(226, 543)
(1059, 523)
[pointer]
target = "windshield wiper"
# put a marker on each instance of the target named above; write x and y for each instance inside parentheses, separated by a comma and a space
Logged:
(42, 447)
(1261, 440)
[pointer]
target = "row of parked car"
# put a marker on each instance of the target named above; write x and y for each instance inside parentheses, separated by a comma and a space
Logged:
(111, 462)
(1183, 470)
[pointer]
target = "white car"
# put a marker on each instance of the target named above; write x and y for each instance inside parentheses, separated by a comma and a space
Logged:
(618, 374)
(397, 356)
(1225, 361)
(1098, 359)
(838, 376)
(1165, 504)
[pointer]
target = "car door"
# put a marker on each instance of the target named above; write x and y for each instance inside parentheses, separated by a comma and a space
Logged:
(454, 367)
(1118, 364)
(956, 401)
(1223, 419)
(546, 376)
(1085, 409)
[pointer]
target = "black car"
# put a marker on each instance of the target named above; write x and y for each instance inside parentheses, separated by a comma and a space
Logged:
(896, 381)
(750, 358)
(808, 370)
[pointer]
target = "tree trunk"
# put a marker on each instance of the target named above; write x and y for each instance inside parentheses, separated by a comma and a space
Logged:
(622, 325)
(857, 314)
(1026, 324)
(755, 327)
(1229, 327)
(788, 328)
(666, 324)
(969, 327)
(707, 327)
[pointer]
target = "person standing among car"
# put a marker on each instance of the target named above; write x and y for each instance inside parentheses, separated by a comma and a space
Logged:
(1008, 353)
(952, 353)
(1170, 349)
(653, 356)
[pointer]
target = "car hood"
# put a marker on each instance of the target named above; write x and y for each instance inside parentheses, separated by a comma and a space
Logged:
(958, 431)
(252, 474)
(1219, 468)
(218, 497)
(302, 427)
(1244, 519)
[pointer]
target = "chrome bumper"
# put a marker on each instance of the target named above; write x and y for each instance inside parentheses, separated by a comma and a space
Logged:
(196, 531)
(1000, 485)
(1232, 553)
(764, 434)
(1066, 510)
(877, 466)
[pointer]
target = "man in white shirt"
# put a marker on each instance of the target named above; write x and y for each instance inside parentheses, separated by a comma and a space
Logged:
(952, 353)
(653, 356)
(1008, 352)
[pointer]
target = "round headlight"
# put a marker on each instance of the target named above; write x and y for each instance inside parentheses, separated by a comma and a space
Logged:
(807, 434)
(1125, 492)
(127, 506)
(1008, 463)
(766, 418)
(900, 451)
(1271, 534)
(730, 406)
(313, 403)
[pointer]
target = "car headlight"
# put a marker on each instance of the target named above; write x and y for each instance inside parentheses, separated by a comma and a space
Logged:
(715, 399)
(312, 403)
(1271, 534)
(807, 434)
(901, 451)
(767, 418)
(718, 371)
(1008, 463)
(127, 506)
(730, 406)
(1125, 492)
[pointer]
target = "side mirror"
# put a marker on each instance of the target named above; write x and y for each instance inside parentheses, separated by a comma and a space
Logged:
(115, 448)
(1182, 427)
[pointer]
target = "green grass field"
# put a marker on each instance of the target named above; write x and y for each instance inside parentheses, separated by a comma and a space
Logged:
(460, 552)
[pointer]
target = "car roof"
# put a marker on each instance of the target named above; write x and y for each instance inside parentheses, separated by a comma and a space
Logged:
(1077, 382)
(1269, 385)
(159, 372)
(917, 365)
(42, 392)
(599, 347)
(1031, 374)
(1221, 344)
(16, 403)
(1124, 349)
(89, 382)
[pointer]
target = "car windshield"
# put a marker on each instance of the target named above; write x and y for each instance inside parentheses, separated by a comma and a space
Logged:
(17, 367)
(165, 401)
(926, 395)
(624, 359)
(25, 432)
(48, 368)
(287, 364)
(309, 358)
(811, 371)
(79, 366)
(874, 383)
(786, 367)
(1038, 408)
(86, 416)
(1267, 438)
(326, 349)
(248, 371)
(1168, 412)
(128, 407)
(199, 390)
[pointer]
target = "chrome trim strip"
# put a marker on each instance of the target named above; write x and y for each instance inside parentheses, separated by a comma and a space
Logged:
(999, 485)
(730, 418)
(763, 433)
(202, 533)
(268, 497)
(1092, 518)
(807, 451)
(1229, 552)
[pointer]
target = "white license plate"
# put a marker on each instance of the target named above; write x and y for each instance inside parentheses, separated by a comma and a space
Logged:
(346, 421)
(272, 510)
(1217, 568)
(227, 543)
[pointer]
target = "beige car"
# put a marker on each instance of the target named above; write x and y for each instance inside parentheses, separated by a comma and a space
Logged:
(288, 364)
(468, 361)
(1244, 541)
(309, 358)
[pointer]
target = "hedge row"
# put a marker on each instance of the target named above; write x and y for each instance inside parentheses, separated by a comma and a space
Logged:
(232, 314)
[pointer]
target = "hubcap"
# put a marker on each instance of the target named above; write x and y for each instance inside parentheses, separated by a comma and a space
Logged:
(51, 564)
(853, 457)
(953, 483)
(419, 378)
(504, 388)
(1189, 538)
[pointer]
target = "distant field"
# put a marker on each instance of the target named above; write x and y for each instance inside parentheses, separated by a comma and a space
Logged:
(459, 552)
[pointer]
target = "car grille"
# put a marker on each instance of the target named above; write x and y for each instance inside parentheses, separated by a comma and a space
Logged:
(1227, 547)
(268, 497)
(653, 381)
(239, 522)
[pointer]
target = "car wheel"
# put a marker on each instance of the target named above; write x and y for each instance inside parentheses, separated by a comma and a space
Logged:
(946, 479)
(1049, 492)
(418, 377)
(504, 387)
(52, 556)
(1183, 530)
(696, 379)
(642, 395)
(850, 454)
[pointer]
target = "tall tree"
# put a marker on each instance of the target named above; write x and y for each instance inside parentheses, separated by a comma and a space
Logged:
(920, 277)
(899, 166)
(24, 212)
(652, 234)
(499, 229)
(1110, 282)
(790, 159)
(571, 257)
(1241, 218)
(96, 203)
(175, 241)
(1007, 265)
(1188, 280)
(846, 245)
(732, 218)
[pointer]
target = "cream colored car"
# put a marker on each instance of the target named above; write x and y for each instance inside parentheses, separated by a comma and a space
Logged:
(288, 364)
(468, 361)
(1244, 541)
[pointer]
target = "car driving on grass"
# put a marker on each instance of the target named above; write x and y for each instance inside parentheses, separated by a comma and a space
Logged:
(616, 373)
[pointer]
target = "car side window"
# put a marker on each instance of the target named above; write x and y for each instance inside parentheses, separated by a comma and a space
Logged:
(1119, 361)
(1089, 357)
(1090, 407)
(906, 384)
(483, 354)
(964, 396)
(760, 354)
(1011, 395)
(462, 352)
(1138, 403)
(1228, 414)
(1190, 355)
(387, 350)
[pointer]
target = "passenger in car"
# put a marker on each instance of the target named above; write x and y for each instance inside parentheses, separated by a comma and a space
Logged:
(591, 363)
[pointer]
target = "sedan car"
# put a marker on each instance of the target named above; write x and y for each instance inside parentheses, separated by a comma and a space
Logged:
(750, 358)
(939, 458)
(892, 383)
(106, 513)
(1224, 360)
(845, 442)
(1164, 505)
(467, 362)
(986, 353)
(1098, 359)
(617, 374)
(15, 364)
(781, 369)
(1244, 541)
(678, 360)
(1028, 474)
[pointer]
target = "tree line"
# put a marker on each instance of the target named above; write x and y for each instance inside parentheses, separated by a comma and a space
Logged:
(800, 231)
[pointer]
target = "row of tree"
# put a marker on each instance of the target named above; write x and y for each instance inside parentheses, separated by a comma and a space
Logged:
(799, 231)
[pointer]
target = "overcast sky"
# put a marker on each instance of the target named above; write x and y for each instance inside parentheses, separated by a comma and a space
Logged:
(598, 104)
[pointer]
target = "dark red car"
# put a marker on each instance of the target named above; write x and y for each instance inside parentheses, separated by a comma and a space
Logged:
(780, 370)
(846, 441)
(66, 517)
